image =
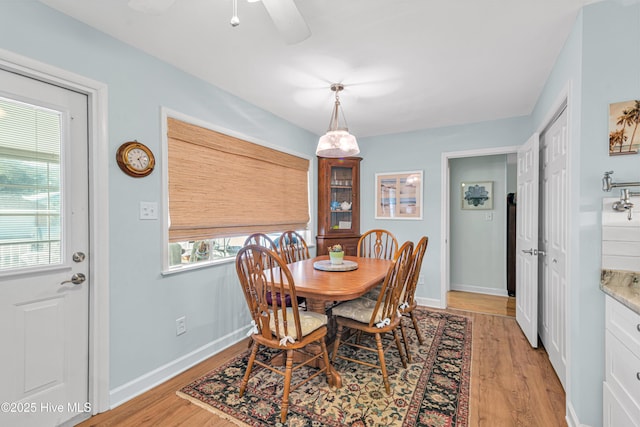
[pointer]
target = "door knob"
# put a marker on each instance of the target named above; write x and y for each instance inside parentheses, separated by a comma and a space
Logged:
(534, 252)
(76, 279)
(78, 256)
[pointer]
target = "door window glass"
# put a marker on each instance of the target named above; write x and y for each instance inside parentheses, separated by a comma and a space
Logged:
(30, 209)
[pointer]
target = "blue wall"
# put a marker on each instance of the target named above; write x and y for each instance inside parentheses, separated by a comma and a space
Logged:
(422, 150)
(478, 246)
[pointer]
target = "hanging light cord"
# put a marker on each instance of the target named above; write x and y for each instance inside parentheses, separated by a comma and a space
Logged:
(335, 118)
(235, 21)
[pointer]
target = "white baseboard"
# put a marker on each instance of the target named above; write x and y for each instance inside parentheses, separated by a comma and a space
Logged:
(572, 417)
(429, 302)
(479, 290)
(128, 391)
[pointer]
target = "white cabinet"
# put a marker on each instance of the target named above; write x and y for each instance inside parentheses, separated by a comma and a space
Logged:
(622, 366)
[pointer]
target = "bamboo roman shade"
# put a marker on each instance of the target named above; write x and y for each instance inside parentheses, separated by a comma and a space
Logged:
(223, 186)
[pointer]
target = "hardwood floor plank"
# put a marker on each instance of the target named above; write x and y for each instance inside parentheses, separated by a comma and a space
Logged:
(482, 303)
(512, 384)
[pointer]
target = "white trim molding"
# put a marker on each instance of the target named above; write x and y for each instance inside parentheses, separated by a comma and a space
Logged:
(479, 289)
(128, 391)
(428, 302)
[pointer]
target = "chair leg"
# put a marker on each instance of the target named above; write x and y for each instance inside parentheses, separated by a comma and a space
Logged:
(400, 348)
(415, 326)
(383, 365)
(287, 385)
(406, 343)
(336, 343)
(247, 373)
(327, 364)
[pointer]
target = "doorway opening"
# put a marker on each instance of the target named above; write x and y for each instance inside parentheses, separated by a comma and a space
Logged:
(488, 226)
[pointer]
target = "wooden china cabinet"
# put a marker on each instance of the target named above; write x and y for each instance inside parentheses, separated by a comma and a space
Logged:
(338, 204)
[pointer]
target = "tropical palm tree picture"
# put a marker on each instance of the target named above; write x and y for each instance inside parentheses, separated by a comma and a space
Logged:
(624, 136)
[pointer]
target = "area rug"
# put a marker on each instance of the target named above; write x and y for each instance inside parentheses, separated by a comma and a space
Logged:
(432, 391)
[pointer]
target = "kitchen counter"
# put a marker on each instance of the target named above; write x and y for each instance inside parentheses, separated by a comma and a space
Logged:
(623, 286)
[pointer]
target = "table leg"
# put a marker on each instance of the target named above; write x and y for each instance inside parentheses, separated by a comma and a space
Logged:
(320, 306)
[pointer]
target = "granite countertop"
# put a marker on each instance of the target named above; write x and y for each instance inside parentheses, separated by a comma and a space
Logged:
(623, 286)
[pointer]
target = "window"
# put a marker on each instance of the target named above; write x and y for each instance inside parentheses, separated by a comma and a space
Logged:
(222, 188)
(29, 186)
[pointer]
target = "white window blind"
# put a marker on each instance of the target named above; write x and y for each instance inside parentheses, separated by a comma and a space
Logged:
(30, 210)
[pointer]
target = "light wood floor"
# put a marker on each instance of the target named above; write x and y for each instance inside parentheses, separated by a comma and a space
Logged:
(512, 384)
(482, 303)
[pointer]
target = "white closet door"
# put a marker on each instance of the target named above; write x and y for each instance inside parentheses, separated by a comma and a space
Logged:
(527, 240)
(553, 241)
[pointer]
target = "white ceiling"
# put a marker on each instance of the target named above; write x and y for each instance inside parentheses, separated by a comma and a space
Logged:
(405, 64)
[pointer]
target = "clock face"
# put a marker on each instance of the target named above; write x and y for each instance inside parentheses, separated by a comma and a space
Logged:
(138, 159)
(135, 159)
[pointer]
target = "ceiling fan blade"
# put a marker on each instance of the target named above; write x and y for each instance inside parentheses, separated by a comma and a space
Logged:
(153, 7)
(288, 20)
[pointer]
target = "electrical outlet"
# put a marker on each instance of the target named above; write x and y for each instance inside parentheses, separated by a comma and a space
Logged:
(148, 210)
(181, 325)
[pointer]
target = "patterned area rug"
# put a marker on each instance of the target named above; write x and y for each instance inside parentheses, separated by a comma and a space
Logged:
(432, 391)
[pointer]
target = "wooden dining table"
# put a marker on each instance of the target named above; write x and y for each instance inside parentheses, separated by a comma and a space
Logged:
(322, 288)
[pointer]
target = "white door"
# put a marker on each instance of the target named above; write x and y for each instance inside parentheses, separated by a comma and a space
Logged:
(527, 240)
(553, 242)
(44, 243)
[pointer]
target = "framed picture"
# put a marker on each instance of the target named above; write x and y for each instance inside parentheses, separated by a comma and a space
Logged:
(476, 195)
(624, 118)
(399, 195)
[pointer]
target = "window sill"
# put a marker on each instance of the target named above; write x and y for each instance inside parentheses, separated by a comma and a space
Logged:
(190, 267)
(197, 266)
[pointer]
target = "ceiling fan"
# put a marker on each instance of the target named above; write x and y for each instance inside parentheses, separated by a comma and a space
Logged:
(284, 13)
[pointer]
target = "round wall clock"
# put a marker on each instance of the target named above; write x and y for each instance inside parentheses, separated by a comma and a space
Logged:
(135, 159)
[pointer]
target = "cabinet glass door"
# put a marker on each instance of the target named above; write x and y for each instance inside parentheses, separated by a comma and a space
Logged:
(341, 198)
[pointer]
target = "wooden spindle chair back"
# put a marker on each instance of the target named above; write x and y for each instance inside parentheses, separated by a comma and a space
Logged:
(377, 243)
(261, 239)
(407, 296)
(293, 247)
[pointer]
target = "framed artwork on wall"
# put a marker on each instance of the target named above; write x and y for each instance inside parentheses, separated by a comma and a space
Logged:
(476, 195)
(399, 195)
(624, 135)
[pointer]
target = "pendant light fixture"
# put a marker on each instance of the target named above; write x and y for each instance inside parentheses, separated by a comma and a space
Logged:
(337, 142)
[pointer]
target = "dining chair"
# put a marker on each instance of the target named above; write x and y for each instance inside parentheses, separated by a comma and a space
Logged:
(284, 329)
(265, 241)
(407, 296)
(377, 243)
(366, 316)
(293, 247)
(261, 239)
